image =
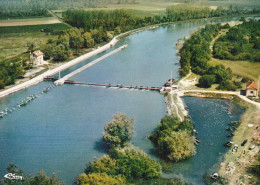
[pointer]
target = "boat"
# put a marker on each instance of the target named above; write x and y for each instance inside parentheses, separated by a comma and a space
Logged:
(169, 82)
(13, 176)
(231, 134)
(214, 176)
(195, 131)
(228, 144)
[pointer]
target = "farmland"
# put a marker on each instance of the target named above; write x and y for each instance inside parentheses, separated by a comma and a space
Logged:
(13, 40)
(30, 21)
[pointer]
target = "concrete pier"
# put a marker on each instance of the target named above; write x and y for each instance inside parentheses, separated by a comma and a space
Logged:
(62, 80)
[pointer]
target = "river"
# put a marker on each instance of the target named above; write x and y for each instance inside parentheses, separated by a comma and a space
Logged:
(61, 130)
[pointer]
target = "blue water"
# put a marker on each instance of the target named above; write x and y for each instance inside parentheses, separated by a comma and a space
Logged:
(211, 118)
(61, 131)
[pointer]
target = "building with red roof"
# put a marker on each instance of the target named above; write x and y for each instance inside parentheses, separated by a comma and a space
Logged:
(251, 89)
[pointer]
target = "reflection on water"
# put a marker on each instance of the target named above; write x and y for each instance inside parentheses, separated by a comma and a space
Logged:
(61, 131)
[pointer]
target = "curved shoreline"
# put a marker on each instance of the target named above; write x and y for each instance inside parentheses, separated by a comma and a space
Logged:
(71, 63)
(88, 55)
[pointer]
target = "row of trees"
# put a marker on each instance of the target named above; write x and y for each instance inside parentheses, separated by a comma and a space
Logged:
(174, 139)
(73, 39)
(195, 55)
(124, 162)
(5, 14)
(40, 178)
(23, 5)
(119, 20)
(186, 12)
(242, 42)
(122, 20)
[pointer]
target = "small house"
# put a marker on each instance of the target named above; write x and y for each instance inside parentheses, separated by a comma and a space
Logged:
(37, 58)
(251, 89)
(165, 90)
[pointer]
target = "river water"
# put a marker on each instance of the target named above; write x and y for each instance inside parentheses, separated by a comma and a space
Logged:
(61, 130)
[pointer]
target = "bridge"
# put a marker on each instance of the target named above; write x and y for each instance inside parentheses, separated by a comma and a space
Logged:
(106, 85)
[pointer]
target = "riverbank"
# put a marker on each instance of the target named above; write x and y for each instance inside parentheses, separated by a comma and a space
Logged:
(235, 164)
(71, 63)
(38, 79)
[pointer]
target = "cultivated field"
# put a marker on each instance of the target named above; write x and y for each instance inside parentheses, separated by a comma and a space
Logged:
(142, 8)
(31, 21)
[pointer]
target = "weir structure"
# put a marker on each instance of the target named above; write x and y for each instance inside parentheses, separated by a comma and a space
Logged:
(105, 85)
(62, 80)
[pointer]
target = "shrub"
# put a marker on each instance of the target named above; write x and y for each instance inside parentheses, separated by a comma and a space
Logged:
(177, 146)
(174, 139)
(102, 165)
(99, 179)
(118, 131)
(229, 85)
(130, 162)
(207, 80)
(133, 163)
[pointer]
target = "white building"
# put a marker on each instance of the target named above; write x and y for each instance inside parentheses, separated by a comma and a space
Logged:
(37, 58)
(251, 89)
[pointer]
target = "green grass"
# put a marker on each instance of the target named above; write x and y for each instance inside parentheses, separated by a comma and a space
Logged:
(13, 40)
(241, 68)
(140, 9)
(32, 28)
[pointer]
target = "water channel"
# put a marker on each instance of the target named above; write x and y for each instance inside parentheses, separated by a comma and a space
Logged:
(61, 130)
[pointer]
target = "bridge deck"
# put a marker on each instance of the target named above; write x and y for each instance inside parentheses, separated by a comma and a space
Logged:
(106, 85)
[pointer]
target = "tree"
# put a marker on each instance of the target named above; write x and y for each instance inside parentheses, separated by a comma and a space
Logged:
(60, 53)
(174, 139)
(104, 164)
(30, 46)
(88, 40)
(133, 163)
(99, 179)
(42, 178)
(119, 130)
(207, 80)
(176, 147)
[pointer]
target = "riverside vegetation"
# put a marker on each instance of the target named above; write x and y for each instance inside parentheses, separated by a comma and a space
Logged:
(125, 164)
(96, 27)
(240, 43)
(196, 54)
(174, 139)
(40, 178)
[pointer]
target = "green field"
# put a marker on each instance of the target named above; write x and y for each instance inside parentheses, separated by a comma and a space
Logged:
(32, 28)
(141, 8)
(13, 40)
(241, 68)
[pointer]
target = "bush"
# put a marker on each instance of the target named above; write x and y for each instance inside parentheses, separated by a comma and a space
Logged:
(245, 80)
(99, 179)
(177, 146)
(102, 165)
(174, 139)
(118, 131)
(207, 80)
(133, 163)
(229, 85)
(130, 162)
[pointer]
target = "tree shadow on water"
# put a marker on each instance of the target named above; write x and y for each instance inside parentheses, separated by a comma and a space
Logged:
(101, 146)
